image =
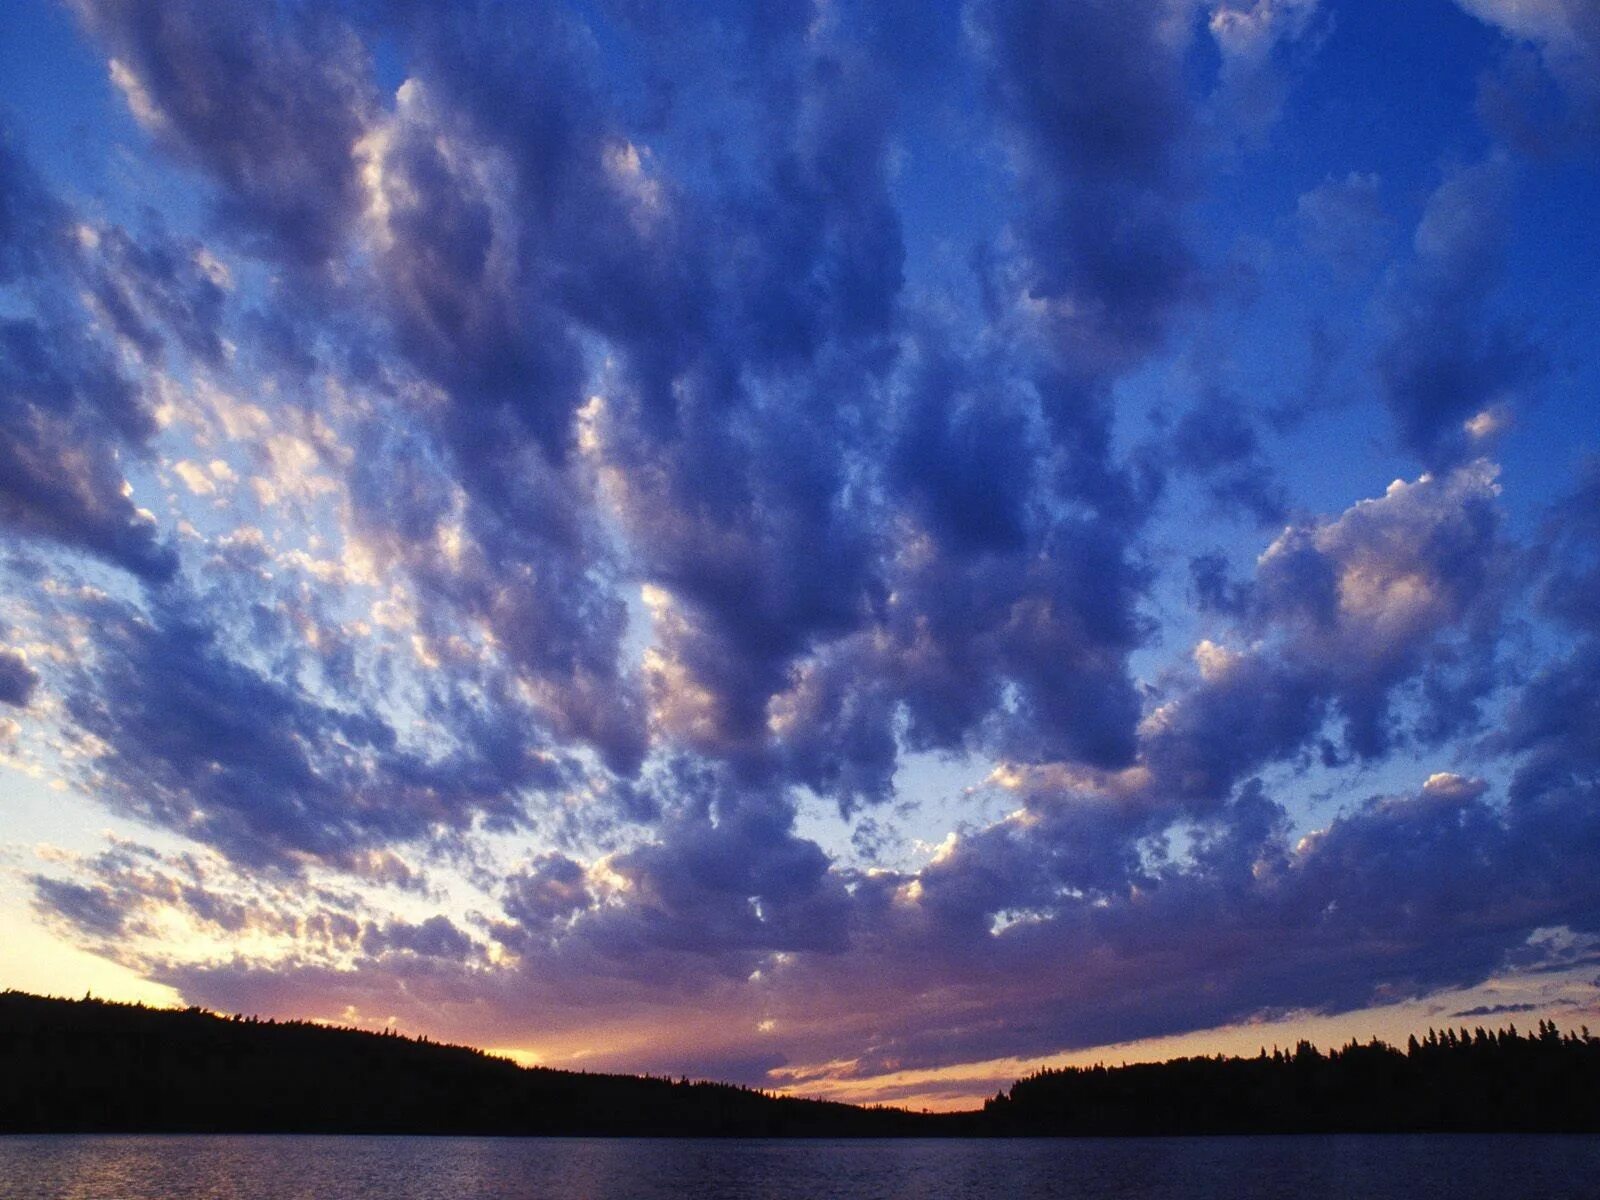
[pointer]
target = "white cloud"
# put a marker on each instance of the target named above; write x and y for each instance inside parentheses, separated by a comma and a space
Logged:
(1249, 31)
(1567, 33)
(1535, 20)
(194, 477)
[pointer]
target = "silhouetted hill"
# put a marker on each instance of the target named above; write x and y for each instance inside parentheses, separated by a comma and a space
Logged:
(88, 1065)
(1463, 1081)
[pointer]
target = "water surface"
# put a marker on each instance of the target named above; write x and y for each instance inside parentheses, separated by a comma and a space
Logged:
(1451, 1167)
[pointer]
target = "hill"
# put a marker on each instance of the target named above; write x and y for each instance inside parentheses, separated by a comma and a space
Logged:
(89, 1065)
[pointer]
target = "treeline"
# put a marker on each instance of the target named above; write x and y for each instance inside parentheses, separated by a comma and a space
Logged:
(93, 1066)
(1468, 1081)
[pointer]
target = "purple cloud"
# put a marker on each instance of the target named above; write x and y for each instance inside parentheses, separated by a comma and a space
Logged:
(670, 537)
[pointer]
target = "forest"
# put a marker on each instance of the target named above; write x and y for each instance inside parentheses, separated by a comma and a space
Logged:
(1446, 1081)
(95, 1066)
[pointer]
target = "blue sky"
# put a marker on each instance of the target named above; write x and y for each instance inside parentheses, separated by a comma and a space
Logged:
(853, 547)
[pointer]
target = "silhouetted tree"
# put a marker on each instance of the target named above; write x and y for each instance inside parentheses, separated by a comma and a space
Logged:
(1447, 1081)
(89, 1065)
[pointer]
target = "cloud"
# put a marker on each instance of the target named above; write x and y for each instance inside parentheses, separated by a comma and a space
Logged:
(1340, 615)
(156, 286)
(549, 889)
(67, 413)
(1252, 38)
(509, 224)
(17, 678)
(282, 146)
(727, 876)
(435, 938)
(787, 959)
(136, 900)
(1551, 721)
(1217, 441)
(1566, 36)
(1093, 94)
(1343, 221)
(1494, 1010)
(463, 279)
(1402, 896)
(578, 507)
(193, 734)
(1249, 31)
(1445, 357)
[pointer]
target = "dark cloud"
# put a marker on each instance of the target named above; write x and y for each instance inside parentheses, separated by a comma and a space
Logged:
(474, 210)
(1447, 357)
(508, 217)
(1552, 721)
(1095, 97)
(135, 892)
(17, 678)
(1217, 441)
(1402, 897)
(743, 377)
(66, 411)
(965, 458)
(1494, 1010)
(550, 889)
(282, 146)
(1213, 587)
(1398, 897)
(1570, 589)
(437, 937)
(469, 209)
(728, 880)
(200, 739)
(157, 286)
(1006, 604)
(90, 908)
(529, 565)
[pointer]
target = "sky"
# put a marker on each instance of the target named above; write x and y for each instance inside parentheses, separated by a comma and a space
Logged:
(858, 548)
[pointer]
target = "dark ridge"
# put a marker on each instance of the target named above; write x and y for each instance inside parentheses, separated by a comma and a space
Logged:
(1452, 1081)
(93, 1066)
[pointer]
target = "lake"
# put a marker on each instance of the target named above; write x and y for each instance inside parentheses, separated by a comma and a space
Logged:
(1459, 1167)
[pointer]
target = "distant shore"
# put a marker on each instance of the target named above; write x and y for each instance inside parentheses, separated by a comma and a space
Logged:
(95, 1066)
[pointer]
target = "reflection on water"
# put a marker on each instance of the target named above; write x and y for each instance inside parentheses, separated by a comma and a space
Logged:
(376, 1168)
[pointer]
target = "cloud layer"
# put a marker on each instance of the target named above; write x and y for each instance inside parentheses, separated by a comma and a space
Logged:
(513, 549)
